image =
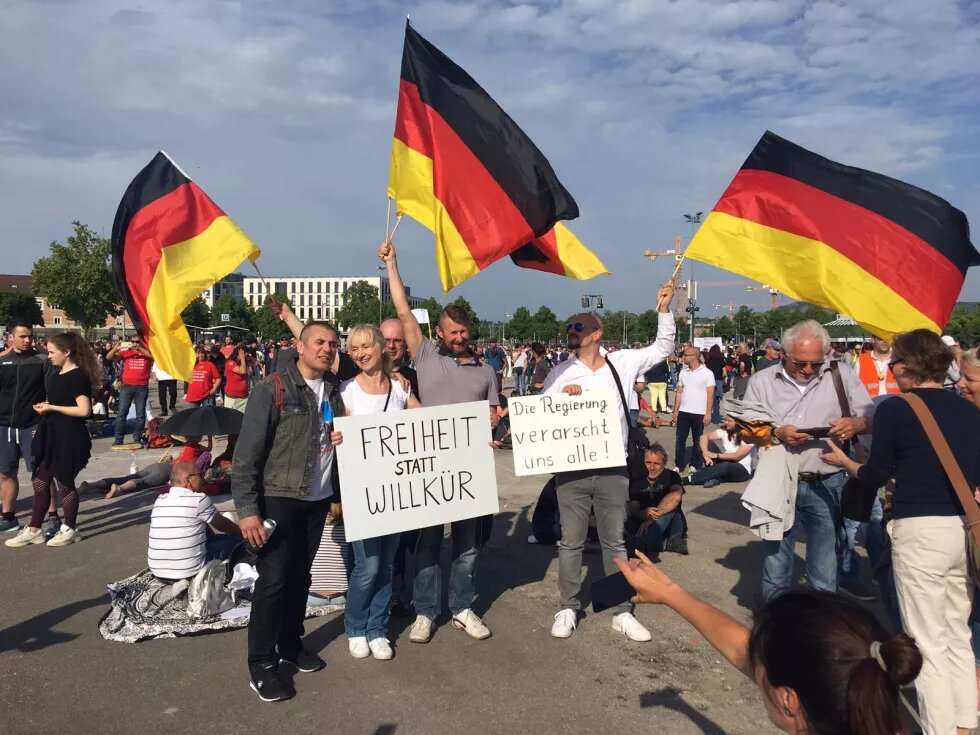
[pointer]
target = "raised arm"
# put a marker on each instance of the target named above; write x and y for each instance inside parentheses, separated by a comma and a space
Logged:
(288, 317)
(413, 332)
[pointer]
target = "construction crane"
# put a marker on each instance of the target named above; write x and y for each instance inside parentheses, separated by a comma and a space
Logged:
(677, 252)
(731, 306)
(773, 294)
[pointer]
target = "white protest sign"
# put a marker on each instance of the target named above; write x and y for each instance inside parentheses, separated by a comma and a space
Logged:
(704, 343)
(412, 469)
(561, 433)
(421, 315)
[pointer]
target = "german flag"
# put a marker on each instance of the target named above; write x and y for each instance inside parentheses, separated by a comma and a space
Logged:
(462, 168)
(559, 251)
(170, 243)
(891, 256)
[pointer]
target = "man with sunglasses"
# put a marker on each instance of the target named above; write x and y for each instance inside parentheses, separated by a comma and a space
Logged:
(606, 490)
(801, 395)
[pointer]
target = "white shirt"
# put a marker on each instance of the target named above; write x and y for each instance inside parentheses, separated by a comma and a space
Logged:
(159, 374)
(521, 361)
(322, 488)
(359, 402)
(730, 447)
(178, 533)
(695, 384)
(630, 365)
(882, 370)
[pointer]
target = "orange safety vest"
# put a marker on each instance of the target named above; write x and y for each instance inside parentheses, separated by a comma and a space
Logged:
(868, 372)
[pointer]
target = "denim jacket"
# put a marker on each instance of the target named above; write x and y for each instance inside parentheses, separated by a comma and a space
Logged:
(275, 452)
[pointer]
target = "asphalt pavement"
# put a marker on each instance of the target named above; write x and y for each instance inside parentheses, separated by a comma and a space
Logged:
(57, 674)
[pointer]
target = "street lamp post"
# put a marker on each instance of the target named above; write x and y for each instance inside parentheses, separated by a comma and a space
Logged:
(503, 328)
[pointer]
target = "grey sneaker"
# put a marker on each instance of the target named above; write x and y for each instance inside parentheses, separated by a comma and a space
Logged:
(50, 527)
(9, 526)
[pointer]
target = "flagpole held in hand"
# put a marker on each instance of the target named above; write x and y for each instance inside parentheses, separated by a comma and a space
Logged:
(398, 221)
(264, 282)
(673, 275)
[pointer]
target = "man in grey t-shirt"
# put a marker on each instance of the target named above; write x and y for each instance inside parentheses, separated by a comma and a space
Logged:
(448, 374)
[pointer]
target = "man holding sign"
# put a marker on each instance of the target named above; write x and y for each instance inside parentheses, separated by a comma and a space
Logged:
(452, 374)
(604, 490)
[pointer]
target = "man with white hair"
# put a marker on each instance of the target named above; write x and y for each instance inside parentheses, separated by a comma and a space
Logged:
(801, 394)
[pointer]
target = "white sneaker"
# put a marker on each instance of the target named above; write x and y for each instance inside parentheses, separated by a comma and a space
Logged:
(358, 646)
(65, 536)
(26, 537)
(421, 630)
(629, 626)
(381, 649)
(470, 622)
(565, 623)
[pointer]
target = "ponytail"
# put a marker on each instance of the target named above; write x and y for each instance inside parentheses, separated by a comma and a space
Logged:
(873, 685)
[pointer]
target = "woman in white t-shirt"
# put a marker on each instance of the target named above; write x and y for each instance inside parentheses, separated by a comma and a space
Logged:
(732, 464)
(369, 589)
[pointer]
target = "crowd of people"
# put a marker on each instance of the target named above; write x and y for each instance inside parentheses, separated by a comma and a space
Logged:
(837, 422)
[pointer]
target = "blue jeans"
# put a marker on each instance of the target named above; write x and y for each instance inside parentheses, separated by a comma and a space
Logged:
(369, 589)
(462, 576)
(206, 401)
(634, 415)
(874, 541)
(817, 511)
(519, 380)
(127, 395)
(220, 545)
(653, 539)
(716, 404)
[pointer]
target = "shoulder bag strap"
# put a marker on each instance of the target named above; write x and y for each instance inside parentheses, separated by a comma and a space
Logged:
(622, 395)
(388, 397)
(952, 467)
(845, 405)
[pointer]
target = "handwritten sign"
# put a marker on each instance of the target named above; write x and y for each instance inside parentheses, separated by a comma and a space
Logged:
(413, 469)
(562, 433)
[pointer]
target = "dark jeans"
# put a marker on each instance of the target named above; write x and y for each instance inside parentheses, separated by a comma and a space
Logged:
(402, 581)
(128, 394)
(716, 402)
(722, 470)
(167, 388)
(462, 575)
(693, 423)
(275, 628)
(653, 539)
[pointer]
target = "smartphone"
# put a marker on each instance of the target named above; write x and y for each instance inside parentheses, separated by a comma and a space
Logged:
(820, 432)
(611, 591)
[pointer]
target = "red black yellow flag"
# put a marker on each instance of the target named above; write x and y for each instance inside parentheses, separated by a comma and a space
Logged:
(891, 256)
(461, 167)
(170, 243)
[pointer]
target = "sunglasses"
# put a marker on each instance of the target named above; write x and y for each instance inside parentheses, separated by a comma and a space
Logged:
(800, 364)
(893, 363)
(577, 326)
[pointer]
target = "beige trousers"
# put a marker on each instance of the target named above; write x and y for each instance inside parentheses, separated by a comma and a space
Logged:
(934, 598)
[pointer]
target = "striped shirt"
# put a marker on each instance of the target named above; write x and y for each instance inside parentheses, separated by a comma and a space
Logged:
(178, 533)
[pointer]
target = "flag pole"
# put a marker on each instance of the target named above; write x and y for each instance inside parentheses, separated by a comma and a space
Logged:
(680, 261)
(388, 221)
(265, 283)
(398, 221)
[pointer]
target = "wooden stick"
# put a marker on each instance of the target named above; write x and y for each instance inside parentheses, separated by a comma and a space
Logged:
(388, 222)
(398, 221)
(673, 275)
(265, 283)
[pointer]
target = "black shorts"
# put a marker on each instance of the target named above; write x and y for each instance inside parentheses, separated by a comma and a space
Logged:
(14, 444)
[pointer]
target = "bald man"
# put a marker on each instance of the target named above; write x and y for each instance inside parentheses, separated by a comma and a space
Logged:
(180, 540)
(394, 334)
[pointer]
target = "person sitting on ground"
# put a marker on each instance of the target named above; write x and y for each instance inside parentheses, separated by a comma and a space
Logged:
(180, 542)
(732, 464)
(823, 663)
(655, 521)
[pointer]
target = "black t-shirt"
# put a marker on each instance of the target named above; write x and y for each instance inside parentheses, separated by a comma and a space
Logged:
(649, 494)
(413, 379)
(657, 374)
(744, 365)
(64, 388)
(717, 366)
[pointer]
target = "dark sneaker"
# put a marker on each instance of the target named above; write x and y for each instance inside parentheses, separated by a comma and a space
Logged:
(306, 661)
(50, 527)
(9, 526)
(856, 589)
(266, 682)
(713, 482)
(677, 545)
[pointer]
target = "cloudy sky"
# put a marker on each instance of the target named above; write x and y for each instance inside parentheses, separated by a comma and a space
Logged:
(283, 111)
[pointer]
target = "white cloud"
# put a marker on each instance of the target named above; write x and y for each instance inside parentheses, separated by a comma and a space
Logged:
(283, 110)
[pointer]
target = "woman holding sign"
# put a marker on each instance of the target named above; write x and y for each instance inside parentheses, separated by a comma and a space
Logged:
(369, 591)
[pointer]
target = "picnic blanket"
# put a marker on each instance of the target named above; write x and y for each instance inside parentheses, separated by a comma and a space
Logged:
(142, 607)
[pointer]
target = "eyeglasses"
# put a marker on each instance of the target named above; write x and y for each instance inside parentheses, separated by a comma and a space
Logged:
(893, 363)
(394, 341)
(800, 364)
(577, 326)
(194, 474)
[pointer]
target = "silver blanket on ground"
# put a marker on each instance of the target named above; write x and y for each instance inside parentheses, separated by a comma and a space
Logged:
(142, 607)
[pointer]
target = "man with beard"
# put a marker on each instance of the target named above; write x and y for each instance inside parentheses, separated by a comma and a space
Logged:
(451, 374)
(604, 491)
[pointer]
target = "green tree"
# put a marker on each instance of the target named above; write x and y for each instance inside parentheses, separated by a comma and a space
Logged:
(240, 314)
(432, 306)
(519, 326)
(361, 306)
(683, 331)
(724, 328)
(197, 313)
(267, 323)
(76, 278)
(646, 326)
(19, 307)
(544, 324)
(964, 325)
